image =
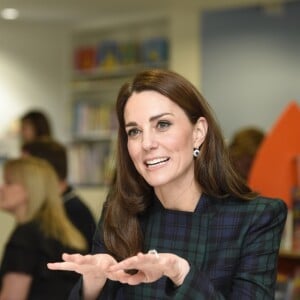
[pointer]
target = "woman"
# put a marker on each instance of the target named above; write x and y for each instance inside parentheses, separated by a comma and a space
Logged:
(178, 222)
(30, 193)
(34, 125)
(243, 148)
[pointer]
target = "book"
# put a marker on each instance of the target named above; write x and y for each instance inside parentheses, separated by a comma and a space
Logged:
(85, 58)
(283, 289)
(154, 50)
(108, 56)
(128, 53)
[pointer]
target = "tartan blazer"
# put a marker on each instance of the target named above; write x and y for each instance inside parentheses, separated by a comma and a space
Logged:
(232, 246)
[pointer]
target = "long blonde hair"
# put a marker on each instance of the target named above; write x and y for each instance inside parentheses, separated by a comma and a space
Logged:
(45, 206)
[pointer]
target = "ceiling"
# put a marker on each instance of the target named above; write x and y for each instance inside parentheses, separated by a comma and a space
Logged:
(76, 13)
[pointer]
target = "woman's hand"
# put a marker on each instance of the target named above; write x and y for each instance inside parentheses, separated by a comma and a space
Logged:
(150, 267)
(92, 267)
(88, 265)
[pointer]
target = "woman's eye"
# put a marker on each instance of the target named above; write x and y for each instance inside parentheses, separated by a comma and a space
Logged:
(133, 132)
(163, 124)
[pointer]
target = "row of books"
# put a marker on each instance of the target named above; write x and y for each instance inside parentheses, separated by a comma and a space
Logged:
(287, 288)
(93, 118)
(110, 54)
(90, 163)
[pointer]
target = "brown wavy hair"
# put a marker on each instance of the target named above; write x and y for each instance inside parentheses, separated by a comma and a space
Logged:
(40, 123)
(130, 194)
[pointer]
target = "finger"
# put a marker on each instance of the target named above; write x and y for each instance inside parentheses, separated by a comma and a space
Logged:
(71, 257)
(151, 258)
(124, 277)
(136, 279)
(78, 268)
(78, 258)
(118, 276)
(141, 261)
(63, 266)
(126, 264)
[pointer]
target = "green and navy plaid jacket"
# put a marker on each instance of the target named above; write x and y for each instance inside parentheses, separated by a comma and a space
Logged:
(232, 246)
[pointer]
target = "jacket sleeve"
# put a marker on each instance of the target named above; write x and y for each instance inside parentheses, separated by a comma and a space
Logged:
(255, 276)
(75, 293)
(110, 290)
(97, 247)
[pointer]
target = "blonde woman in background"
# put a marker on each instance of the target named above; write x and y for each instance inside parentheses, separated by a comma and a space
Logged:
(30, 193)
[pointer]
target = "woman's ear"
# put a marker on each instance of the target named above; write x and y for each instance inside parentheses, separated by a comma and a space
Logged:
(200, 131)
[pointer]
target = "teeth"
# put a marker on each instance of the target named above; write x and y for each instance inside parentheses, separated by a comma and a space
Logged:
(156, 161)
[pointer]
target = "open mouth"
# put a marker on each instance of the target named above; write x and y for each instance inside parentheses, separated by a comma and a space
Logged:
(156, 161)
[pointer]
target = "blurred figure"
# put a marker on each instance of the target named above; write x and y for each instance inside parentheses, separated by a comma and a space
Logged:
(56, 154)
(35, 124)
(243, 148)
(43, 232)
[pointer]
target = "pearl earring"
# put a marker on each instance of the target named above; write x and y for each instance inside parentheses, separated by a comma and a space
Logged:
(196, 152)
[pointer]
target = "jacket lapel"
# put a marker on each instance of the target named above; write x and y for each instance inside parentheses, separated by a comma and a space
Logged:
(206, 210)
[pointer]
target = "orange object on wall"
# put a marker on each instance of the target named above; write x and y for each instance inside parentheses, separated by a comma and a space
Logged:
(273, 172)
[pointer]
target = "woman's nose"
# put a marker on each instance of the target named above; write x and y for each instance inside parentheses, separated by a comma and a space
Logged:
(149, 141)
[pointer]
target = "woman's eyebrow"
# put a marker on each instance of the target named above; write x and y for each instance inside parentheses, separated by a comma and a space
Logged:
(151, 119)
(130, 124)
(158, 116)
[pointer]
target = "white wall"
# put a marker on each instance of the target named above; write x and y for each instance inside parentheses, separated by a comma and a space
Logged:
(34, 73)
(185, 40)
(251, 66)
(34, 68)
(93, 198)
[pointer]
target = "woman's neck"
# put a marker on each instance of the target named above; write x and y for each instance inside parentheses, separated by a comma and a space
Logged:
(20, 214)
(182, 198)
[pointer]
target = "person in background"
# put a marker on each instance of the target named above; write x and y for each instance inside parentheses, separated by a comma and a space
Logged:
(55, 153)
(178, 222)
(35, 124)
(43, 232)
(243, 147)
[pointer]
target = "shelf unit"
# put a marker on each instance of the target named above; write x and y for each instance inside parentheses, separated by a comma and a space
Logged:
(289, 263)
(289, 255)
(103, 59)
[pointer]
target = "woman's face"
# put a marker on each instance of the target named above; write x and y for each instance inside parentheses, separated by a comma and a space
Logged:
(27, 131)
(161, 138)
(13, 195)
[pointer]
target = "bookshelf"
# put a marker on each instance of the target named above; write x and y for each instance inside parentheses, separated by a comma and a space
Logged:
(289, 263)
(289, 255)
(103, 59)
